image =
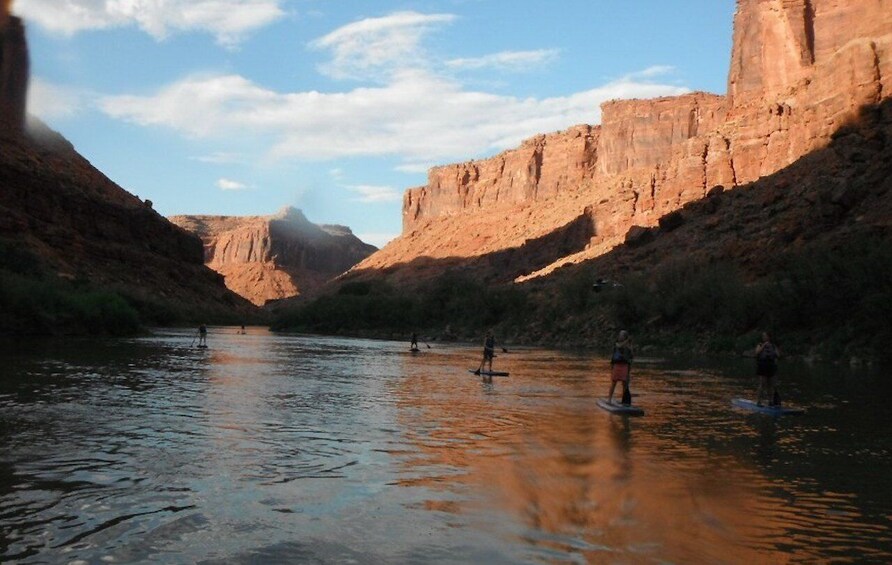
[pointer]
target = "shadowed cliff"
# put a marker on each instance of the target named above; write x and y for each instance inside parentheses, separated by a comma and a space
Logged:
(81, 254)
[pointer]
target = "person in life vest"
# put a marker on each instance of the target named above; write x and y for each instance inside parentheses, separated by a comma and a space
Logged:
(621, 365)
(766, 369)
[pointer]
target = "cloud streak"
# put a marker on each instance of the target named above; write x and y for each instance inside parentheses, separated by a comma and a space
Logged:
(229, 21)
(374, 47)
(510, 61)
(231, 185)
(371, 193)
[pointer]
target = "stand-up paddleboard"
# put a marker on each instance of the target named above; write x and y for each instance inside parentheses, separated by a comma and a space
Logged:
(617, 408)
(414, 350)
(773, 410)
(488, 373)
(201, 346)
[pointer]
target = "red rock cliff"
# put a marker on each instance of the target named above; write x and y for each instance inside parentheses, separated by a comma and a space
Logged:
(543, 166)
(13, 73)
(272, 257)
(800, 69)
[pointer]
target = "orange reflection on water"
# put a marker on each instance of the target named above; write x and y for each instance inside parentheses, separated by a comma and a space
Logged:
(577, 480)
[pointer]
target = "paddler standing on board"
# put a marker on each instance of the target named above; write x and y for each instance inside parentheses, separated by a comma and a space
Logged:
(489, 351)
(621, 365)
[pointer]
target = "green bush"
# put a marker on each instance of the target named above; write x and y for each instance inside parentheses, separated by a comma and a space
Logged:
(35, 301)
(50, 306)
(837, 298)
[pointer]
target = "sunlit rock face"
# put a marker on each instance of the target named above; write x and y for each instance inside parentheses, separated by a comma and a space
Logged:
(13, 72)
(273, 257)
(541, 167)
(800, 69)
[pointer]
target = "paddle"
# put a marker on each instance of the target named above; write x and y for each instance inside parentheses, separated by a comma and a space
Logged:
(193, 339)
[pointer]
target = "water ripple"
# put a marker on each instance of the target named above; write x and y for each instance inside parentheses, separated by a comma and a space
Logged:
(278, 449)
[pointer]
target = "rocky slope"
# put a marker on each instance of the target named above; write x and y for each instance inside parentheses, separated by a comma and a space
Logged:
(83, 226)
(267, 258)
(800, 71)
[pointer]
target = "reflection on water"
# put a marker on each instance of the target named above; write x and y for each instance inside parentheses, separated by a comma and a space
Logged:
(266, 449)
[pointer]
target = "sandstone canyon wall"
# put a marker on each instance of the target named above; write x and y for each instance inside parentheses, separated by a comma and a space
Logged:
(800, 70)
(82, 225)
(272, 257)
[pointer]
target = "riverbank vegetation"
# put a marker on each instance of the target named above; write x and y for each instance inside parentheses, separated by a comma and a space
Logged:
(819, 301)
(452, 305)
(34, 300)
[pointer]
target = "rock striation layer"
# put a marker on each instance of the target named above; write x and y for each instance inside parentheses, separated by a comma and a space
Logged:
(267, 258)
(800, 70)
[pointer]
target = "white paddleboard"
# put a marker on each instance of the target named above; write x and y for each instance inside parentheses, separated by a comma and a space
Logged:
(765, 409)
(617, 408)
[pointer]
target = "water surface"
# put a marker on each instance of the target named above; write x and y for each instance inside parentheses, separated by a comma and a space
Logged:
(267, 448)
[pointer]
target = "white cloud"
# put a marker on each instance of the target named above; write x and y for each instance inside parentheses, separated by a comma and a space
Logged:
(372, 193)
(228, 20)
(417, 116)
(409, 111)
(52, 101)
(379, 240)
(220, 158)
(414, 168)
(228, 184)
(512, 61)
(376, 47)
(650, 72)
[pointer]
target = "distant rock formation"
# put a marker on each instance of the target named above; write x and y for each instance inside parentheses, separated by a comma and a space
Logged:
(13, 73)
(800, 70)
(267, 258)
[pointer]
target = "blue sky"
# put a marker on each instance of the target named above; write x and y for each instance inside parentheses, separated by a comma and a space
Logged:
(241, 107)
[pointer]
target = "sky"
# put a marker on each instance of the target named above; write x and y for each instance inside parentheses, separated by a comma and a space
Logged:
(242, 107)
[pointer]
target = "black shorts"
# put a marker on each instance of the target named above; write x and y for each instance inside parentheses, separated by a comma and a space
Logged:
(766, 368)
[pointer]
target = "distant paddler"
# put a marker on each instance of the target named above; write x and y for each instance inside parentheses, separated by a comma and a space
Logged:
(202, 336)
(621, 366)
(767, 355)
(489, 351)
(413, 345)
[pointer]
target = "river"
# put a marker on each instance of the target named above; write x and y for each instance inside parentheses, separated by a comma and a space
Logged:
(269, 448)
